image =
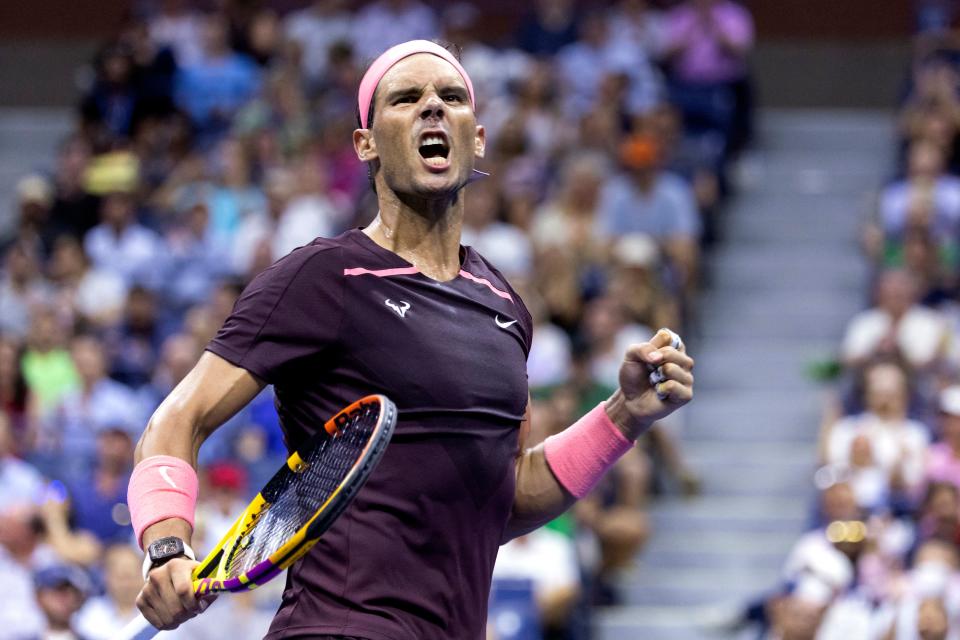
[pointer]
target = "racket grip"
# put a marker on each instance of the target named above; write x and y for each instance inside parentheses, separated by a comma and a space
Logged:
(137, 629)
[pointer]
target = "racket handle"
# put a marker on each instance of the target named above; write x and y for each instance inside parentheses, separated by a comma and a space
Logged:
(137, 629)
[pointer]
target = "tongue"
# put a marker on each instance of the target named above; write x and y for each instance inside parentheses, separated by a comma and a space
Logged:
(435, 161)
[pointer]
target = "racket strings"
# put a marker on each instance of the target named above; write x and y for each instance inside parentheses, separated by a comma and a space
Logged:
(300, 495)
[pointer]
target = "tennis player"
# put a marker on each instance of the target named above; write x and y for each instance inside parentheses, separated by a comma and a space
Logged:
(399, 308)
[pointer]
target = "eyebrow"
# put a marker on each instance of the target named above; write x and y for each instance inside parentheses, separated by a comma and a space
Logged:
(403, 93)
(406, 92)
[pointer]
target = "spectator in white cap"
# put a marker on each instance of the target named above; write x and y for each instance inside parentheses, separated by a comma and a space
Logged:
(943, 457)
(34, 199)
(636, 279)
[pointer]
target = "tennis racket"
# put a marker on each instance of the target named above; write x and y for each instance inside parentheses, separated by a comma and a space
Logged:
(296, 506)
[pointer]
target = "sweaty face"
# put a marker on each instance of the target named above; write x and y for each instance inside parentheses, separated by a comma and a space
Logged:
(424, 132)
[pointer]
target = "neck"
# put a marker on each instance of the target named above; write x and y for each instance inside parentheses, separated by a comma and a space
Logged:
(425, 233)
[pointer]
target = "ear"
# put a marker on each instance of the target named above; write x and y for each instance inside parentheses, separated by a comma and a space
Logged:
(364, 145)
(480, 141)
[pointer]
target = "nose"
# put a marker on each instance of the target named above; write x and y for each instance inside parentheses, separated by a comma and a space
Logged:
(432, 107)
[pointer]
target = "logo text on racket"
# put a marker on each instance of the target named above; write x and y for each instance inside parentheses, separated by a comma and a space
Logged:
(401, 308)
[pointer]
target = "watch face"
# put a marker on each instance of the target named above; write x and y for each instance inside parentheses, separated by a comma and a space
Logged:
(166, 547)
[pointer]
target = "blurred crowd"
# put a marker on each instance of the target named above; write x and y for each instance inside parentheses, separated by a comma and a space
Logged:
(881, 560)
(214, 137)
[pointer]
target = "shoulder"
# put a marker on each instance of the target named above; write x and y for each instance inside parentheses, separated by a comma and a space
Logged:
(322, 255)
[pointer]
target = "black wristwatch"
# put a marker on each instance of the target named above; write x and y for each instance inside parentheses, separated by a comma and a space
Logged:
(163, 550)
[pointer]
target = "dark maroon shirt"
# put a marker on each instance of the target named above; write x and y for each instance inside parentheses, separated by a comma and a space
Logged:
(411, 558)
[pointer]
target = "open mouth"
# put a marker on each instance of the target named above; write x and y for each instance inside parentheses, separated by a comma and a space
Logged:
(434, 150)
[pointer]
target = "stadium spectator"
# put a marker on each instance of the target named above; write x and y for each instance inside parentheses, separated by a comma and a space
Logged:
(635, 278)
(98, 494)
(124, 246)
(61, 591)
(74, 207)
(195, 259)
(384, 23)
(22, 289)
(607, 329)
(47, 367)
(647, 199)
(70, 434)
(504, 244)
(212, 88)
(224, 492)
(22, 552)
(281, 115)
(635, 24)
(938, 517)
(882, 448)
(548, 27)
(927, 199)
(288, 222)
(549, 362)
(34, 228)
(104, 615)
(896, 327)
(264, 37)
(799, 615)
(111, 107)
(132, 345)
(20, 482)
(567, 220)
(595, 59)
(549, 560)
(943, 457)
(706, 44)
(90, 295)
(235, 194)
(16, 404)
(178, 27)
(315, 29)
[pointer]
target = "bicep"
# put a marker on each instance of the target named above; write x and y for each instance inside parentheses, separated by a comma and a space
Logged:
(212, 392)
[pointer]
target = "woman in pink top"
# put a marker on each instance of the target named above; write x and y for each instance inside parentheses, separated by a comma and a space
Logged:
(943, 457)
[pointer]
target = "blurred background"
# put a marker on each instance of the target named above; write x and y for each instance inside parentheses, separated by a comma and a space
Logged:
(779, 182)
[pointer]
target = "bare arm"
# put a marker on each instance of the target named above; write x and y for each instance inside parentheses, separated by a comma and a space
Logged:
(213, 391)
(539, 496)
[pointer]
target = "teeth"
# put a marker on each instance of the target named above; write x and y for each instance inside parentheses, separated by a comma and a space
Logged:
(433, 140)
(436, 161)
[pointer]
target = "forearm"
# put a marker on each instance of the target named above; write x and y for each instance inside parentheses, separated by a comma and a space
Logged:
(212, 392)
(170, 433)
(540, 496)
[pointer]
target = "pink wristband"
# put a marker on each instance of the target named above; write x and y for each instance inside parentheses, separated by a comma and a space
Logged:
(582, 453)
(161, 487)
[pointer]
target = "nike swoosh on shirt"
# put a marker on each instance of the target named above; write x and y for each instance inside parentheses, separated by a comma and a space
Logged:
(503, 325)
(165, 474)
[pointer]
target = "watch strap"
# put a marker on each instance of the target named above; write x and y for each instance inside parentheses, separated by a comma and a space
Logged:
(149, 564)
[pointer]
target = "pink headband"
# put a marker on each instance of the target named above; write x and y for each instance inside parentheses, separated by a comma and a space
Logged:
(393, 55)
